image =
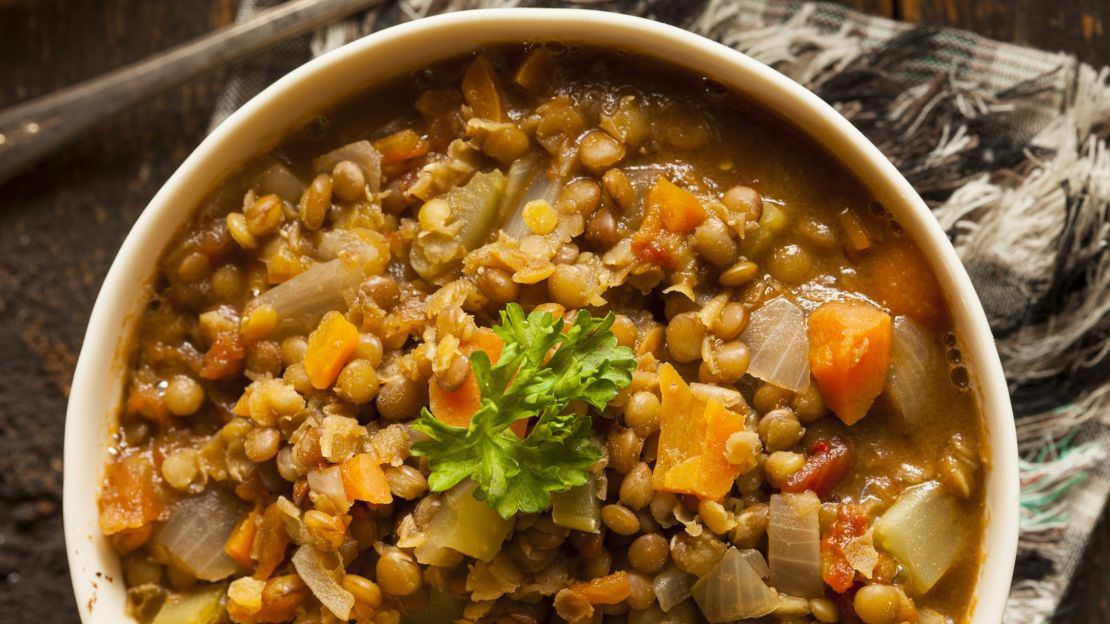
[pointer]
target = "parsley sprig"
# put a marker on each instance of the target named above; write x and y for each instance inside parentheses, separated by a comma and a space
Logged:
(529, 381)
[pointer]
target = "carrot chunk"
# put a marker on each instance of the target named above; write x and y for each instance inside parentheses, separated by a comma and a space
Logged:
(457, 407)
(129, 498)
(480, 90)
(401, 146)
(897, 275)
(364, 480)
(270, 542)
(691, 453)
(610, 589)
(330, 347)
(241, 540)
(671, 211)
(849, 354)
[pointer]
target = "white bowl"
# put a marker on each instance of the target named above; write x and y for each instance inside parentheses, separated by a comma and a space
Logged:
(98, 381)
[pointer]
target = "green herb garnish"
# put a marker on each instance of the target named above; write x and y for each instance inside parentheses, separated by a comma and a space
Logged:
(516, 475)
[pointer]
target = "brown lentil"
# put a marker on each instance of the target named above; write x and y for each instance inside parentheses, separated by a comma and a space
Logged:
(357, 382)
(739, 274)
(684, 336)
(636, 487)
(619, 189)
(315, 201)
(405, 481)
(184, 396)
(348, 181)
(599, 151)
(398, 575)
(648, 553)
(262, 444)
(642, 411)
(264, 215)
(620, 519)
(401, 399)
(498, 286)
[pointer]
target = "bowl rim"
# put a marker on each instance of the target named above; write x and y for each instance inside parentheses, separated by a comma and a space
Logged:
(97, 383)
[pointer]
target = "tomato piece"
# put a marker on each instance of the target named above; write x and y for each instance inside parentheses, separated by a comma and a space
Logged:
(823, 470)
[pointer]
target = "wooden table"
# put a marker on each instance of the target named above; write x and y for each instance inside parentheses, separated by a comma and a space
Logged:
(61, 224)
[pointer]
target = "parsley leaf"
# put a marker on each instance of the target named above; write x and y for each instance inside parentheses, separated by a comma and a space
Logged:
(540, 371)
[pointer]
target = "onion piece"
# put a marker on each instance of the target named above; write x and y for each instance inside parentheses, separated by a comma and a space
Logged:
(301, 301)
(473, 211)
(725, 396)
(362, 153)
(328, 482)
(369, 246)
(293, 521)
(756, 561)
(527, 183)
(578, 508)
(197, 606)
(732, 590)
(794, 544)
(776, 337)
(922, 531)
(672, 586)
(915, 364)
(465, 524)
(280, 181)
(324, 580)
(197, 530)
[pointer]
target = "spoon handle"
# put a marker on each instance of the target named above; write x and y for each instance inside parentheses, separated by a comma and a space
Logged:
(32, 130)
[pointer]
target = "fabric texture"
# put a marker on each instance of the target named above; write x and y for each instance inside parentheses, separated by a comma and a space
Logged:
(1008, 146)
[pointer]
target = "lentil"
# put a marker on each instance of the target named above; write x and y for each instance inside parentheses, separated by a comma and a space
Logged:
(648, 553)
(348, 182)
(684, 336)
(620, 519)
(184, 396)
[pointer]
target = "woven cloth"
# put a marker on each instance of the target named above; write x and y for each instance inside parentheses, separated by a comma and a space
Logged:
(1007, 144)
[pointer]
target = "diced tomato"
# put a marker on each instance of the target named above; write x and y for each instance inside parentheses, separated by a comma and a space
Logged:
(823, 470)
(851, 522)
(225, 357)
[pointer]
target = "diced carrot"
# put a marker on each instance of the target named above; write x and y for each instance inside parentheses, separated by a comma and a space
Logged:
(851, 522)
(225, 357)
(691, 452)
(330, 347)
(270, 542)
(610, 589)
(401, 146)
(129, 498)
(458, 406)
(824, 468)
(241, 540)
(897, 275)
(680, 211)
(480, 90)
(849, 354)
(364, 480)
(671, 211)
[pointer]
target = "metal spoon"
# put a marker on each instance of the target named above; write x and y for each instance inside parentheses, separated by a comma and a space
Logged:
(32, 130)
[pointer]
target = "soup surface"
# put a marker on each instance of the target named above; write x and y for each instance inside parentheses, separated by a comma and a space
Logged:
(545, 334)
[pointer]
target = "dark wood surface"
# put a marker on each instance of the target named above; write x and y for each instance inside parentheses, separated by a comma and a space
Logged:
(62, 222)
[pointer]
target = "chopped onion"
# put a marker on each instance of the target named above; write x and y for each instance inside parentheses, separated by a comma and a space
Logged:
(578, 508)
(915, 364)
(362, 153)
(292, 520)
(197, 606)
(732, 590)
(323, 579)
(776, 336)
(922, 531)
(794, 544)
(465, 524)
(528, 181)
(725, 396)
(369, 246)
(197, 530)
(328, 482)
(473, 211)
(304, 299)
(280, 181)
(672, 586)
(756, 561)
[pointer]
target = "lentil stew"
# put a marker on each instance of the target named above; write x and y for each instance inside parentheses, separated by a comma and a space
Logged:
(546, 334)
